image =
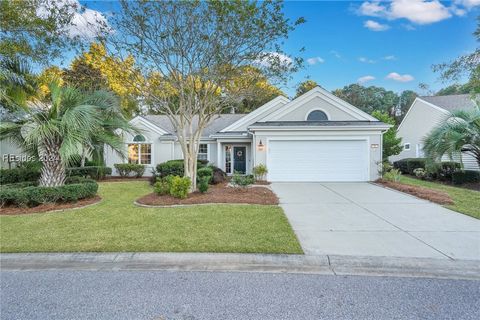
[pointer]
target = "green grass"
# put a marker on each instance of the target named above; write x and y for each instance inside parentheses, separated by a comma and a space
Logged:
(465, 201)
(116, 224)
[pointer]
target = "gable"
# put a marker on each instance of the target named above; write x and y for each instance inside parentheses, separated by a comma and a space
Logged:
(420, 119)
(145, 128)
(318, 99)
(256, 115)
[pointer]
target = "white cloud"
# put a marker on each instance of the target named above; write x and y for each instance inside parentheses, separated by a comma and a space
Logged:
(375, 26)
(390, 57)
(86, 23)
(366, 60)
(365, 79)
(336, 54)
(315, 60)
(416, 11)
(275, 58)
(399, 77)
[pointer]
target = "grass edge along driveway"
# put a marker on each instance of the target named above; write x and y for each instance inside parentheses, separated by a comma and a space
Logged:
(117, 225)
(465, 201)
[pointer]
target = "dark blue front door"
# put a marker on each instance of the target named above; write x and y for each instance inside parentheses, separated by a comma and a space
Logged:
(239, 159)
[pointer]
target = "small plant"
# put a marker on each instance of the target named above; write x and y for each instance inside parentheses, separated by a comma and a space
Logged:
(179, 187)
(420, 173)
(383, 167)
(161, 187)
(203, 184)
(205, 172)
(260, 172)
(242, 181)
(393, 175)
(124, 169)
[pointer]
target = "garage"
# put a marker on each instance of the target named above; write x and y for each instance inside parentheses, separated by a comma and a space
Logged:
(318, 160)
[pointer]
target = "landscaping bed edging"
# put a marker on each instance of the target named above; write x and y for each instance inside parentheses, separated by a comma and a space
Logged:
(51, 207)
(435, 196)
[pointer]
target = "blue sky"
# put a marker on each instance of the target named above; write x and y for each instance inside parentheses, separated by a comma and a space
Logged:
(355, 41)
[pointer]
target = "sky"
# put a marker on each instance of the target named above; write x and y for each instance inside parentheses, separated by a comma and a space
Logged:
(388, 44)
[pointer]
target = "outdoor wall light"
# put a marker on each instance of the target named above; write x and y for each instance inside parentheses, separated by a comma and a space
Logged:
(260, 146)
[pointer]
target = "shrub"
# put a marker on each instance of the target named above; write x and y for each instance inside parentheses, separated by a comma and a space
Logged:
(76, 179)
(162, 186)
(205, 172)
(260, 172)
(18, 185)
(179, 187)
(175, 167)
(242, 181)
(447, 169)
(203, 184)
(465, 176)
(125, 169)
(94, 172)
(34, 196)
(219, 176)
(383, 167)
(407, 165)
(393, 175)
(20, 174)
(420, 173)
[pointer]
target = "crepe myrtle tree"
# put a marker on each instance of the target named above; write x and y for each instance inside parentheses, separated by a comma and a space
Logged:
(460, 132)
(189, 52)
(57, 129)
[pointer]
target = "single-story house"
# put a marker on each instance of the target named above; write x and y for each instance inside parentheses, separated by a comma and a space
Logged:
(315, 137)
(425, 114)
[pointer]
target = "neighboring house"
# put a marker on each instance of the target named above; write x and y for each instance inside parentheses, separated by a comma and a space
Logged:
(10, 154)
(315, 137)
(424, 115)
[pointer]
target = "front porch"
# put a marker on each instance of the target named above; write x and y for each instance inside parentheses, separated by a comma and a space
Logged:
(235, 155)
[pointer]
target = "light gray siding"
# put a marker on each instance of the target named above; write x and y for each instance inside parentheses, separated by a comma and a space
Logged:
(316, 103)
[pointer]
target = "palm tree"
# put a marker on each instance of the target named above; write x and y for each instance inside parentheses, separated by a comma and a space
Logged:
(460, 132)
(17, 83)
(58, 129)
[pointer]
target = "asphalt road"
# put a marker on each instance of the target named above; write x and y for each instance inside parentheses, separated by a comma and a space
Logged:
(162, 295)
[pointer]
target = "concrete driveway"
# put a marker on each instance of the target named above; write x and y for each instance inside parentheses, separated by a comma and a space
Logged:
(364, 219)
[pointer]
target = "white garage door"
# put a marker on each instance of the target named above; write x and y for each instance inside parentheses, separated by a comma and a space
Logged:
(319, 160)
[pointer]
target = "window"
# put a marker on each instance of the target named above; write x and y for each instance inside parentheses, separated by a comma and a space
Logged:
(317, 115)
(141, 152)
(228, 159)
(406, 146)
(202, 151)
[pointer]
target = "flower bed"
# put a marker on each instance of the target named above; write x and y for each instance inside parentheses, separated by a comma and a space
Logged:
(436, 196)
(219, 193)
(46, 207)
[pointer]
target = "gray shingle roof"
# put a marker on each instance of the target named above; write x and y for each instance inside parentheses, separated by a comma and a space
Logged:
(317, 123)
(217, 124)
(452, 102)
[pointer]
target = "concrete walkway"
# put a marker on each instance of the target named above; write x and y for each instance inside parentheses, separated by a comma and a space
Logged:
(363, 219)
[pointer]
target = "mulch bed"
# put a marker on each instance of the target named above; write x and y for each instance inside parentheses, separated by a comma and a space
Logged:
(219, 193)
(49, 207)
(436, 196)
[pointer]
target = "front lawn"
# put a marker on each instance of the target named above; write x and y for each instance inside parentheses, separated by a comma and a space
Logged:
(116, 224)
(465, 201)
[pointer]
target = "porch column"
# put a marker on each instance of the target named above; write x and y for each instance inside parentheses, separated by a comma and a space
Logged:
(219, 155)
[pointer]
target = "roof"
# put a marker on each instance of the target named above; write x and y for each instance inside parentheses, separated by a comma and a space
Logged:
(218, 123)
(452, 102)
(317, 123)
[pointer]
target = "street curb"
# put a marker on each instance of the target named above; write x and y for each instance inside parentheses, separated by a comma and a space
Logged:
(226, 262)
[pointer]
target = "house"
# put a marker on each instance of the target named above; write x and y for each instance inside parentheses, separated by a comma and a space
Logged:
(424, 115)
(315, 137)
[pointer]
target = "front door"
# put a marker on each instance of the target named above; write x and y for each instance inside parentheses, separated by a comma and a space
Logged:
(239, 160)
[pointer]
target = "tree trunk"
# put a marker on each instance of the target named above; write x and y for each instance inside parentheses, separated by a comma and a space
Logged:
(84, 156)
(53, 170)
(190, 166)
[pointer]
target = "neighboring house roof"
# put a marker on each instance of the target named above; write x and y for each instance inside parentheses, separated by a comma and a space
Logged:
(218, 123)
(318, 123)
(452, 102)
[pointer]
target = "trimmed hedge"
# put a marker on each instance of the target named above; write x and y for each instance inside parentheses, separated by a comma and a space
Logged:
(175, 168)
(34, 196)
(125, 169)
(407, 165)
(466, 176)
(94, 172)
(20, 174)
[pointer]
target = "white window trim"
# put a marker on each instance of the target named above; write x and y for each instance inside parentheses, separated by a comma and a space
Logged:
(152, 160)
(317, 109)
(207, 153)
(405, 146)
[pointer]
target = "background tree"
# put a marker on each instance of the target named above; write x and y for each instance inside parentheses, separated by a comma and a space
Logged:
(391, 143)
(189, 53)
(305, 86)
(369, 99)
(39, 30)
(459, 132)
(405, 102)
(84, 76)
(466, 65)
